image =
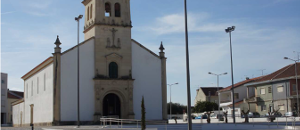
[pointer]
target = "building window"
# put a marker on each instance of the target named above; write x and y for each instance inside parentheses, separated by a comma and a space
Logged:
(263, 108)
(2, 81)
(294, 88)
(45, 82)
(107, 10)
(113, 70)
(31, 88)
(262, 91)
(270, 89)
(91, 15)
(281, 107)
(280, 88)
(236, 96)
(88, 13)
(26, 90)
(117, 10)
(37, 85)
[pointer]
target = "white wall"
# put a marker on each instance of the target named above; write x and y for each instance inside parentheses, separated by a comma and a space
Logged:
(146, 70)
(17, 110)
(69, 83)
(41, 99)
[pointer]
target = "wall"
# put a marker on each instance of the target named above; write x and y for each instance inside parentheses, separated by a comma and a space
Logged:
(199, 97)
(3, 92)
(146, 70)
(9, 110)
(40, 95)
(69, 83)
(18, 114)
(279, 95)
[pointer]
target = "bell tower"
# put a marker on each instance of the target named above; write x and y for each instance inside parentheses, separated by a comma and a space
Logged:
(109, 23)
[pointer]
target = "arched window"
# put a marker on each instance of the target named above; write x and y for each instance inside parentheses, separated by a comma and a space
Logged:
(113, 70)
(91, 15)
(107, 10)
(117, 10)
(88, 13)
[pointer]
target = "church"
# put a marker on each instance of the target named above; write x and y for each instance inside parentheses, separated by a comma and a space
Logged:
(115, 72)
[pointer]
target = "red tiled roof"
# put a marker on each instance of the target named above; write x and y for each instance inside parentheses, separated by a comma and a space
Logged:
(241, 83)
(15, 94)
(237, 103)
(285, 72)
(212, 90)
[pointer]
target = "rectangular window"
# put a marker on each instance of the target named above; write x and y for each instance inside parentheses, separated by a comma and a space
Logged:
(37, 85)
(294, 88)
(26, 90)
(236, 96)
(31, 88)
(263, 107)
(45, 82)
(270, 89)
(280, 88)
(262, 91)
(281, 107)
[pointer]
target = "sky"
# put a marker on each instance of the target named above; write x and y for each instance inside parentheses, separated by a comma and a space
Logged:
(266, 31)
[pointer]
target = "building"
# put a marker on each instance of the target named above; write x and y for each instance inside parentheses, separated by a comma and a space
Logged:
(3, 98)
(276, 91)
(12, 96)
(240, 94)
(115, 73)
(207, 94)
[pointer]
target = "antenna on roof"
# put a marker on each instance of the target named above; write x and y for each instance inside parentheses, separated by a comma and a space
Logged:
(262, 72)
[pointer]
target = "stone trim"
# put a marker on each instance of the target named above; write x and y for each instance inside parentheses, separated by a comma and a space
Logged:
(17, 102)
(145, 48)
(85, 2)
(90, 26)
(36, 69)
(77, 45)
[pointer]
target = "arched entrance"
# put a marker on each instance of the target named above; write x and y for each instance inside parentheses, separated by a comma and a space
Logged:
(112, 106)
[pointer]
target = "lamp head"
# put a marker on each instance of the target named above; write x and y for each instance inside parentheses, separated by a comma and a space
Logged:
(233, 28)
(225, 73)
(209, 72)
(176, 83)
(286, 58)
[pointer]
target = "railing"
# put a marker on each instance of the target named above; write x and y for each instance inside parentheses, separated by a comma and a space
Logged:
(119, 123)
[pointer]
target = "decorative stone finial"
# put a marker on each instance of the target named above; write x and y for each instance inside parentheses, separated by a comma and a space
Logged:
(161, 48)
(57, 42)
(57, 49)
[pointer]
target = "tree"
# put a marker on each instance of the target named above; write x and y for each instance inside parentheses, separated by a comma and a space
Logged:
(176, 108)
(245, 112)
(225, 114)
(272, 114)
(143, 122)
(205, 106)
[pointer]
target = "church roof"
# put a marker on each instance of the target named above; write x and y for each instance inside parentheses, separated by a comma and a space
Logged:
(145, 48)
(38, 68)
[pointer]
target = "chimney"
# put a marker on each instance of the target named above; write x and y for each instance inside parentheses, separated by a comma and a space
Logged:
(247, 78)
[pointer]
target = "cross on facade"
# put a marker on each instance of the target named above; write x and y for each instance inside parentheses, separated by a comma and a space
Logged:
(113, 35)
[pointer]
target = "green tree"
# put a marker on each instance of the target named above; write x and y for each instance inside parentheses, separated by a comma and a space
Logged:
(143, 122)
(205, 106)
(176, 108)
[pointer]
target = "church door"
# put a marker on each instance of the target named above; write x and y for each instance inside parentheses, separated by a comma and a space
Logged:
(112, 106)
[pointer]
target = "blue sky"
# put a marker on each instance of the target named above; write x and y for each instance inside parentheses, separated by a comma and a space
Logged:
(266, 31)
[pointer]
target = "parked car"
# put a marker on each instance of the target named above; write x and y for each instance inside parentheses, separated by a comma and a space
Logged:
(252, 115)
(201, 117)
(290, 114)
(217, 116)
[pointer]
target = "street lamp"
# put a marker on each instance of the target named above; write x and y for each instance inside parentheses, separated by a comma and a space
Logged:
(78, 113)
(296, 77)
(170, 85)
(229, 30)
(218, 87)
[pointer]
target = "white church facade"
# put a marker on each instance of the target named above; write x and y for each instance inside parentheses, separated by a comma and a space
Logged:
(115, 72)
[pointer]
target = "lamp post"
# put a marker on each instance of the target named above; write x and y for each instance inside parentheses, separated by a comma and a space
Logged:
(229, 30)
(218, 87)
(188, 87)
(296, 77)
(78, 112)
(170, 85)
